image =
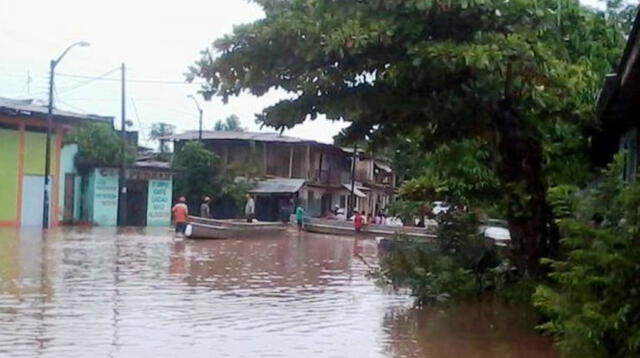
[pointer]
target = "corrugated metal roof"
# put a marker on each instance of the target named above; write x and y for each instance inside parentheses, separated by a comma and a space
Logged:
(152, 164)
(28, 107)
(383, 166)
(356, 190)
(248, 136)
(276, 186)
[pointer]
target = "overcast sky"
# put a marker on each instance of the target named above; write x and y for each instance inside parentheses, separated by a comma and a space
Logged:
(157, 40)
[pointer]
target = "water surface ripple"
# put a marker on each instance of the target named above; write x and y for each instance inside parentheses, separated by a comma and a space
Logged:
(138, 293)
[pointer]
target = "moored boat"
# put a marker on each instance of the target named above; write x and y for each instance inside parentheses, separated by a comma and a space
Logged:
(337, 227)
(203, 228)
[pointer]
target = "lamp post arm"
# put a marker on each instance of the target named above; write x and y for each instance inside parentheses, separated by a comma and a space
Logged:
(79, 43)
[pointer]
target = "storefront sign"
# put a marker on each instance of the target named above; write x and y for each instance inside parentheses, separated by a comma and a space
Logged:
(159, 203)
(105, 199)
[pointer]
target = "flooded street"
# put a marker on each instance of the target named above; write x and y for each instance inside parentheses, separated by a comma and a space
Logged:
(96, 293)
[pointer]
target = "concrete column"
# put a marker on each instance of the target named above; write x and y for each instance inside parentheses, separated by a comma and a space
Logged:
(307, 164)
(291, 162)
(264, 158)
(225, 158)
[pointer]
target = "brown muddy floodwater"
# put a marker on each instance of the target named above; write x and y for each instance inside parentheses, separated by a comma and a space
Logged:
(97, 293)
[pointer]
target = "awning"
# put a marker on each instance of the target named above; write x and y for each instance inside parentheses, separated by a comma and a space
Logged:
(278, 186)
(356, 191)
(383, 167)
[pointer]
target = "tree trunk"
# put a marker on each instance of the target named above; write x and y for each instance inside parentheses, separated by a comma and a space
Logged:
(519, 165)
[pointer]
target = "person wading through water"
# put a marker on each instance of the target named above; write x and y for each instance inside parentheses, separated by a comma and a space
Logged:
(300, 216)
(250, 209)
(180, 215)
(205, 210)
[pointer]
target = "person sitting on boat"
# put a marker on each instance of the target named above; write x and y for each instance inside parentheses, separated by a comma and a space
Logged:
(329, 215)
(250, 209)
(358, 221)
(205, 210)
(180, 215)
(378, 218)
(300, 216)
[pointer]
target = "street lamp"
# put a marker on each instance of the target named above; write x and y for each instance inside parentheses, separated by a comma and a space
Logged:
(199, 110)
(47, 153)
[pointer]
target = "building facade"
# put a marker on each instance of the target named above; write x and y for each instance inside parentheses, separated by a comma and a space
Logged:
(149, 196)
(23, 128)
(619, 110)
(325, 171)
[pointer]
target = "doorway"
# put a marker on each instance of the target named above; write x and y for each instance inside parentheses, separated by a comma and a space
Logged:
(137, 192)
(69, 198)
(33, 200)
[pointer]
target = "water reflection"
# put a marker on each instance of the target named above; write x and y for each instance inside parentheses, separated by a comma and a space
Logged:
(102, 292)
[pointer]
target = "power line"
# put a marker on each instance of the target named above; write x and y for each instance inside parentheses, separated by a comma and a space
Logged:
(147, 81)
(135, 110)
(84, 83)
(76, 108)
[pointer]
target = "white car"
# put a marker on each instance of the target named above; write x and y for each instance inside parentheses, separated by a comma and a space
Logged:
(440, 207)
(498, 234)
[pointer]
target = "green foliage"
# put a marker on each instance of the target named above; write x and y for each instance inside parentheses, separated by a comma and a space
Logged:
(230, 124)
(198, 175)
(458, 172)
(98, 145)
(159, 130)
(460, 262)
(593, 303)
(407, 210)
(197, 172)
(438, 70)
(562, 199)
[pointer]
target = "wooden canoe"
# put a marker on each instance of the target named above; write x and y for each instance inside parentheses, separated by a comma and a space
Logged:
(345, 228)
(202, 228)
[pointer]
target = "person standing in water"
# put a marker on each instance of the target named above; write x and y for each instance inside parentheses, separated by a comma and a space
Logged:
(300, 216)
(250, 209)
(205, 210)
(358, 221)
(180, 215)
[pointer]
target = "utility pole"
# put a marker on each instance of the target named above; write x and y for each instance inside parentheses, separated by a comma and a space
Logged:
(200, 126)
(47, 150)
(200, 111)
(352, 198)
(46, 203)
(122, 198)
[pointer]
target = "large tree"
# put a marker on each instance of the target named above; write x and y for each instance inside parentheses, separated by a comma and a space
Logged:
(160, 130)
(230, 124)
(495, 71)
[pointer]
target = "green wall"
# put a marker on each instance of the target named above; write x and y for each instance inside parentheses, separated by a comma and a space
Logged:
(9, 141)
(34, 153)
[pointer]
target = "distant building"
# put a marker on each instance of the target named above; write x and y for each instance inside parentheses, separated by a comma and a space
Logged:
(149, 195)
(316, 174)
(376, 179)
(75, 197)
(23, 126)
(619, 109)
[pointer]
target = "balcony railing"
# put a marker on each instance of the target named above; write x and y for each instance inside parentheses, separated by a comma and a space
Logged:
(328, 177)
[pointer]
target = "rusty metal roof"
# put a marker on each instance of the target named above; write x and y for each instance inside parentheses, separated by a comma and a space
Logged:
(275, 185)
(244, 136)
(29, 107)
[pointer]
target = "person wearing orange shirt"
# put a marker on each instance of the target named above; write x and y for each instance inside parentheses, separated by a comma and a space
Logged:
(180, 215)
(358, 221)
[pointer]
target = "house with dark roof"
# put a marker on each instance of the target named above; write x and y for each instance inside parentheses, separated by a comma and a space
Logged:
(618, 109)
(318, 175)
(23, 127)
